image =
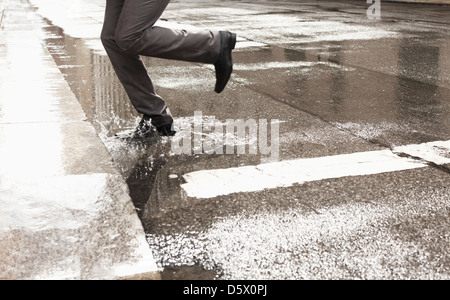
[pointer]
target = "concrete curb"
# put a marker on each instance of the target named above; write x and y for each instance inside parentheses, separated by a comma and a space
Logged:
(65, 212)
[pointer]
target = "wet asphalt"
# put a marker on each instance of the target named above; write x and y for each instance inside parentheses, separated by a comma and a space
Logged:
(339, 83)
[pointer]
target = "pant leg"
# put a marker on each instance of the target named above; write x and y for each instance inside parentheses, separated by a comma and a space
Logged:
(130, 69)
(136, 34)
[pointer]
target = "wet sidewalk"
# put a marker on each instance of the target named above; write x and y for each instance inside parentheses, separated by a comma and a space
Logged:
(65, 212)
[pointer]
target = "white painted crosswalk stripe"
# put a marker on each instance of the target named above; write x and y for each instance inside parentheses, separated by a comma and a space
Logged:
(436, 152)
(213, 183)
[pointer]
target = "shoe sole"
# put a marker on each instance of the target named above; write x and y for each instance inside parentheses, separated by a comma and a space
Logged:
(232, 40)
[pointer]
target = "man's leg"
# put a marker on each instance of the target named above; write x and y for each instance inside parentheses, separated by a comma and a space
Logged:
(130, 69)
(136, 34)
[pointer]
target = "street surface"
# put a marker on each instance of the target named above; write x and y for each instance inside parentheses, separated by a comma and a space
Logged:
(355, 183)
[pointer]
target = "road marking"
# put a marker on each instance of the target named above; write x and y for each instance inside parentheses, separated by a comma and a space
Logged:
(286, 65)
(436, 152)
(213, 183)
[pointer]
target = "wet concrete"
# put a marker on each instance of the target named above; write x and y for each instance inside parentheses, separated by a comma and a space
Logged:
(339, 83)
(65, 212)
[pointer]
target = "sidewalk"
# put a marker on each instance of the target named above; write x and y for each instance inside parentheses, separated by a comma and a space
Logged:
(65, 212)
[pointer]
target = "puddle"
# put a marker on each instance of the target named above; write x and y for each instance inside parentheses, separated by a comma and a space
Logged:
(94, 83)
(141, 181)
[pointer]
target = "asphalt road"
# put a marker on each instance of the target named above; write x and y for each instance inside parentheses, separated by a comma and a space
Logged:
(328, 81)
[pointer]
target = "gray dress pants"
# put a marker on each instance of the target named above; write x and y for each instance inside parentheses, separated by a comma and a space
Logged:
(129, 32)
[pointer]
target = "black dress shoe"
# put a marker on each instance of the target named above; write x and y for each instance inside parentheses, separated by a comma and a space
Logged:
(224, 65)
(165, 129)
(162, 123)
(143, 130)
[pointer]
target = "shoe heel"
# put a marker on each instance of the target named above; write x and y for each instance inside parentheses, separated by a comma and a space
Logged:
(233, 40)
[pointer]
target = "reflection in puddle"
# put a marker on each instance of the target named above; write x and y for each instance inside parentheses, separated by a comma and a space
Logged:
(93, 81)
(141, 181)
